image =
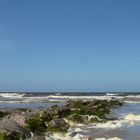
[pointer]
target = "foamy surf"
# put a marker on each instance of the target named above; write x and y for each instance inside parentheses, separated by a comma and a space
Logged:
(128, 120)
(12, 95)
(59, 136)
(132, 117)
(59, 97)
(114, 138)
(84, 97)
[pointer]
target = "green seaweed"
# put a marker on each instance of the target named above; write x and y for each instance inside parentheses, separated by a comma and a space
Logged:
(34, 123)
(55, 129)
(77, 118)
(46, 116)
(12, 136)
(2, 114)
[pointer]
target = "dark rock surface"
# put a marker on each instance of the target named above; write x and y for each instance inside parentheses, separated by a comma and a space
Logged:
(58, 125)
(10, 126)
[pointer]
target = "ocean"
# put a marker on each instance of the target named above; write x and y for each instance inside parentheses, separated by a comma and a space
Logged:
(126, 127)
(37, 100)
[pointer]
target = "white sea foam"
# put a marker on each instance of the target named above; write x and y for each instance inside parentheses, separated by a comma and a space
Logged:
(132, 102)
(12, 95)
(84, 97)
(108, 125)
(114, 94)
(132, 117)
(78, 129)
(58, 136)
(133, 96)
(127, 99)
(58, 97)
(62, 98)
(36, 99)
(115, 138)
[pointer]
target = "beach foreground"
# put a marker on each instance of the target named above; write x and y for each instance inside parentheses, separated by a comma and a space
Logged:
(69, 117)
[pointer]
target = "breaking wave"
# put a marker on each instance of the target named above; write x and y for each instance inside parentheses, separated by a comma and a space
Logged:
(132, 117)
(12, 95)
(62, 97)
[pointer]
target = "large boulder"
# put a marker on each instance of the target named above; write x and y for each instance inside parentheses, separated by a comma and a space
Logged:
(54, 112)
(11, 128)
(58, 125)
(18, 118)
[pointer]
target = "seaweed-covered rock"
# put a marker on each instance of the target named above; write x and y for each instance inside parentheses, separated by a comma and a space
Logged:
(45, 115)
(3, 113)
(58, 125)
(64, 112)
(75, 104)
(77, 118)
(54, 112)
(115, 103)
(100, 108)
(36, 125)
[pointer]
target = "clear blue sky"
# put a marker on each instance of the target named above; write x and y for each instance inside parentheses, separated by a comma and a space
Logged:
(69, 45)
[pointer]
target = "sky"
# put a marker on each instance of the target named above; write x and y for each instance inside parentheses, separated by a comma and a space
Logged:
(70, 45)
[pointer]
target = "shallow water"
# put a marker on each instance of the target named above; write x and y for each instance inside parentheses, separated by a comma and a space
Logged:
(128, 130)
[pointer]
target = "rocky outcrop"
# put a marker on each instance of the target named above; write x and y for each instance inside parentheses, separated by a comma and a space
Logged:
(10, 128)
(58, 125)
(19, 124)
(18, 118)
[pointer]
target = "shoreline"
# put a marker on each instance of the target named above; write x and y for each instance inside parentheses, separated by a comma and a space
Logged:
(58, 120)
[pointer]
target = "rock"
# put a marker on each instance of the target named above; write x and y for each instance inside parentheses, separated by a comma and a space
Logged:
(45, 115)
(3, 113)
(9, 127)
(65, 111)
(57, 125)
(75, 104)
(54, 112)
(100, 108)
(76, 118)
(18, 118)
(115, 103)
